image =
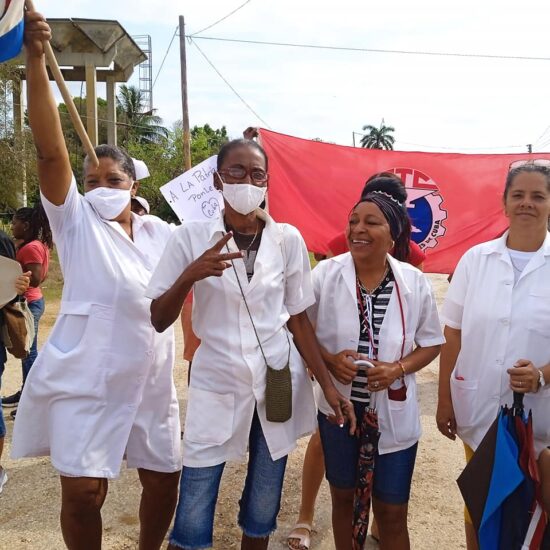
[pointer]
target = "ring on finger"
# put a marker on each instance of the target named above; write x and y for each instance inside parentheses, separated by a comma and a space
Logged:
(375, 384)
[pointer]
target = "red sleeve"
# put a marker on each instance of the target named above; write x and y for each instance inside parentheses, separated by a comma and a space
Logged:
(31, 253)
(339, 244)
(416, 256)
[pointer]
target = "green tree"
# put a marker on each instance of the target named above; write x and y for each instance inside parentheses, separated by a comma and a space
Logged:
(17, 156)
(134, 123)
(378, 138)
(74, 146)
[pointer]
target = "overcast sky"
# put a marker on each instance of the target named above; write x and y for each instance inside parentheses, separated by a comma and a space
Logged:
(435, 103)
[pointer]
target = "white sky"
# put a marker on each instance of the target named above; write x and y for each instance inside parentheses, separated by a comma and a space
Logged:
(462, 104)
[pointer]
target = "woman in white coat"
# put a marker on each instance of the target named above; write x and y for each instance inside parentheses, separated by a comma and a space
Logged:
(101, 388)
(370, 305)
(497, 323)
(252, 285)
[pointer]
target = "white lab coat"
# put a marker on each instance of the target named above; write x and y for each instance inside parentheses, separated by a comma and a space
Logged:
(228, 375)
(102, 385)
(336, 320)
(500, 324)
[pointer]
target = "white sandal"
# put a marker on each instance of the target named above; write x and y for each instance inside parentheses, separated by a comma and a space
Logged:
(303, 540)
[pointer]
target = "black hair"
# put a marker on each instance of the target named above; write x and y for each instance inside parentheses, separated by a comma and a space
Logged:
(398, 219)
(526, 169)
(386, 182)
(235, 144)
(119, 155)
(39, 225)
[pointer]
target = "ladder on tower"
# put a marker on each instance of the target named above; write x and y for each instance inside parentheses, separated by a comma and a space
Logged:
(145, 71)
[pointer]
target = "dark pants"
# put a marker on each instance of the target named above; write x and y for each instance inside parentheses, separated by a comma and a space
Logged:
(37, 309)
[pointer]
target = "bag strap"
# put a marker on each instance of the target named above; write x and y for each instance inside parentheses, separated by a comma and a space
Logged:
(250, 313)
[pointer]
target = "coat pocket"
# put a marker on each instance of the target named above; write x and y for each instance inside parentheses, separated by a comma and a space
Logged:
(209, 418)
(464, 394)
(539, 312)
(404, 417)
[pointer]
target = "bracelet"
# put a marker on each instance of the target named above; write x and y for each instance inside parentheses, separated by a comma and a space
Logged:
(542, 381)
(402, 368)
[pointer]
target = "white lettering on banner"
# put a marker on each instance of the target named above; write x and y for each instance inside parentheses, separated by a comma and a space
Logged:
(192, 196)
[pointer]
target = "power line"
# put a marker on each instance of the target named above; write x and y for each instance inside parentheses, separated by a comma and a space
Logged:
(118, 123)
(375, 50)
(223, 18)
(542, 135)
(229, 85)
(165, 56)
(463, 148)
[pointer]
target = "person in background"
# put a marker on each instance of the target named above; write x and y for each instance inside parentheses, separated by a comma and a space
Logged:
(22, 283)
(314, 465)
(242, 258)
(497, 319)
(30, 226)
(391, 183)
(140, 206)
(102, 388)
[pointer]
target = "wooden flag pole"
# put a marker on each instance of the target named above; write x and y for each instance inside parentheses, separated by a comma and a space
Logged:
(67, 97)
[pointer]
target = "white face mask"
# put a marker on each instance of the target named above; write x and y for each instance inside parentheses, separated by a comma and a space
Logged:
(243, 197)
(107, 202)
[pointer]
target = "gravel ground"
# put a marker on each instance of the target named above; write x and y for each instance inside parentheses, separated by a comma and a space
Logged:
(29, 505)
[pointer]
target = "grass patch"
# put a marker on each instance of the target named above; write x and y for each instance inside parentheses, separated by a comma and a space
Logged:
(53, 285)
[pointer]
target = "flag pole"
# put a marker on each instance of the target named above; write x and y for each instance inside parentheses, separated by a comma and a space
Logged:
(67, 97)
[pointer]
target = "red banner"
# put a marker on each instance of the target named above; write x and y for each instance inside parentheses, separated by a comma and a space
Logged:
(455, 200)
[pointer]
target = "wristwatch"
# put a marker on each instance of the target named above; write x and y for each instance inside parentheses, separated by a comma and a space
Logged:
(542, 381)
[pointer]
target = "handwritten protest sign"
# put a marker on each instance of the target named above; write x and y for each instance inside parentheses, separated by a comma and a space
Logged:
(192, 195)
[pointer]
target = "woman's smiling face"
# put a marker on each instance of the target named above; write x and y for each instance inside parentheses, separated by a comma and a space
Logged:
(527, 201)
(368, 232)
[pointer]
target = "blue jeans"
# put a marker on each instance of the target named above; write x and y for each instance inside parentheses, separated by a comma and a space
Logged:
(37, 309)
(3, 359)
(392, 471)
(259, 505)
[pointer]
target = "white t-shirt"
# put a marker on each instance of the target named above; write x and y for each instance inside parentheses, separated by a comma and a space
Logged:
(519, 261)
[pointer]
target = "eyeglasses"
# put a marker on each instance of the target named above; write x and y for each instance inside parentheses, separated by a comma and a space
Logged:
(536, 162)
(257, 175)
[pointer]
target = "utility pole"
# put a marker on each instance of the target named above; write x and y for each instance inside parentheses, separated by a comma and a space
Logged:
(185, 103)
(529, 147)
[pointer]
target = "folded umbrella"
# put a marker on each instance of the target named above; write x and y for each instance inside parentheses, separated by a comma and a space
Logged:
(368, 446)
(501, 486)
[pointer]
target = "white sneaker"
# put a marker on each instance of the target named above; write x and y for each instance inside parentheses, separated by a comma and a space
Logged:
(3, 478)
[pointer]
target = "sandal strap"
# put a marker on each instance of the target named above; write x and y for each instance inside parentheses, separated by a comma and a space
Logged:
(303, 526)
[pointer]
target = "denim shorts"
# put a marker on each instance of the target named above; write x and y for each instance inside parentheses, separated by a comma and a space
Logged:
(392, 471)
(259, 505)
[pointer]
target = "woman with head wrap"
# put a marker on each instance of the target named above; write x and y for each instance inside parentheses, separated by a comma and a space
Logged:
(374, 306)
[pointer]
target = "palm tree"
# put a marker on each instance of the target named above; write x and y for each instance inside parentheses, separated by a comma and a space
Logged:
(378, 138)
(135, 123)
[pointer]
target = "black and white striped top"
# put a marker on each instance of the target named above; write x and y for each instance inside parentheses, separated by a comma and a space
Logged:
(380, 300)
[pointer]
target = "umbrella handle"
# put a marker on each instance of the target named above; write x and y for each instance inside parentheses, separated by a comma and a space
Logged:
(518, 400)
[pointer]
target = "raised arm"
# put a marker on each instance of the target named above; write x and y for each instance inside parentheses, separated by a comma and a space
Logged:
(54, 168)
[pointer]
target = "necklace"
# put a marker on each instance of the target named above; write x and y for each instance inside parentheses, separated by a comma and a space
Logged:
(247, 249)
(370, 292)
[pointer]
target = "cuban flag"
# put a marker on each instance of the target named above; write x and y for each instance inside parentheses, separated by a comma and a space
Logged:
(11, 28)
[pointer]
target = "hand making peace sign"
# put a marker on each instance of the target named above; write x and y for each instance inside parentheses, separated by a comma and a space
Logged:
(213, 263)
